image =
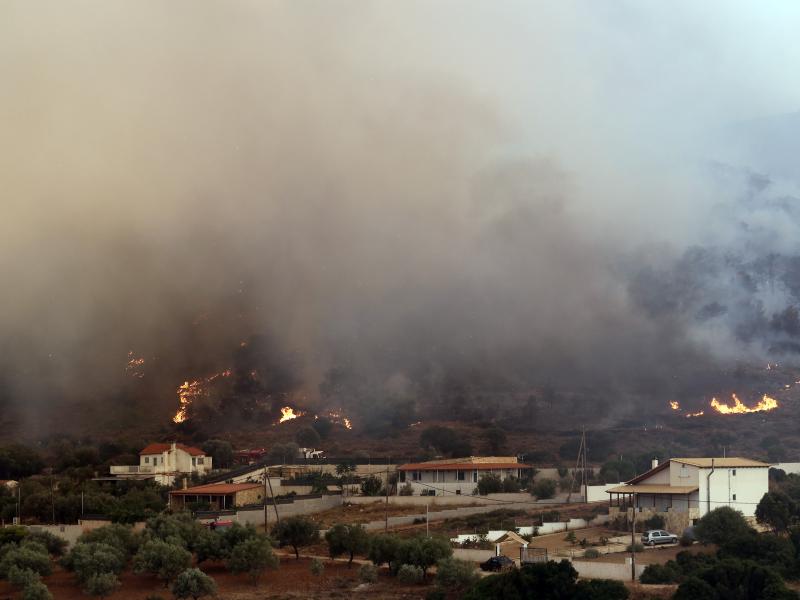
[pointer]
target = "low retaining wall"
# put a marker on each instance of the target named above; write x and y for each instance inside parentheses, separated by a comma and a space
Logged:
(588, 569)
(255, 515)
(472, 554)
(447, 500)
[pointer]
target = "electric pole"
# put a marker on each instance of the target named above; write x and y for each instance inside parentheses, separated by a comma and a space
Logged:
(633, 544)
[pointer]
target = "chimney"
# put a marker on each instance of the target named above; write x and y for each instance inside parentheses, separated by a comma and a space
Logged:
(654, 463)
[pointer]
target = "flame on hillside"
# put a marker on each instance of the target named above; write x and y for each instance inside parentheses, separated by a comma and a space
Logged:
(190, 390)
(135, 365)
(699, 413)
(674, 405)
(288, 413)
(739, 408)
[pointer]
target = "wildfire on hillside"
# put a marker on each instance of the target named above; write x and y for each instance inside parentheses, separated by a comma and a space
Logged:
(135, 365)
(336, 416)
(739, 408)
(190, 390)
(288, 413)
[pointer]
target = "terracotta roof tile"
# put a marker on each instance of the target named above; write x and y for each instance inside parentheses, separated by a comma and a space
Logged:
(216, 489)
(159, 448)
(461, 466)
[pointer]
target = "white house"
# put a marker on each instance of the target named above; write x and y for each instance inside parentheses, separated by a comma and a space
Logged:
(688, 488)
(164, 462)
(457, 475)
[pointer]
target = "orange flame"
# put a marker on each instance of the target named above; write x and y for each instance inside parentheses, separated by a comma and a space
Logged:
(674, 405)
(191, 390)
(766, 403)
(699, 413)
(288, 413)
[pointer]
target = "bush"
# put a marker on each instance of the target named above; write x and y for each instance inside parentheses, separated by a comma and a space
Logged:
(317, 568)
(371, 486)
(637, 547)
(252, 556)
(166, 561)
(89, 559)
(423, 552)
(686, 540)
(720, 525)
(591, 553)
(119, 536)
(36, 591)
(102, 584)
(490, 484)
(368, 573)
(409, 574)
(193, 583)
(456, 574)
(660, 574)
(544, 489)
(511, 485)
(32, 557)
(22, 578)
(54, 544)
(407, 489)
(383, 548)
(600, 589)
(654, 522)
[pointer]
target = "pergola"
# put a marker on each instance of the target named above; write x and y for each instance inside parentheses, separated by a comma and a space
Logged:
(628, 495)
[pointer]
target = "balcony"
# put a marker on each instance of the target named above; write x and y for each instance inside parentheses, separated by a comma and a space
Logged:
(131, 470)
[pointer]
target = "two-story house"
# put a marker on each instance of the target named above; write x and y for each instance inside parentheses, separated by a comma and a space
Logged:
(457, 475)
(164, 462)
(684, 489)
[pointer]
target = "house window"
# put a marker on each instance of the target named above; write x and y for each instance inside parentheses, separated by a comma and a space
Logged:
(460, 475)
(734, 497)
(147, 460)
(734, 473)
(194, 461)
(201, 460)
(474, 477)
(415, 475)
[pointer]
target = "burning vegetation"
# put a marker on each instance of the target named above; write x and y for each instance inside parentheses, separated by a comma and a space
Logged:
(738, 408)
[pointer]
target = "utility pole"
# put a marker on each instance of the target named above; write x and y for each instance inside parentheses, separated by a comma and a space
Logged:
(274, 505)
(580, 465)
(266, 512)
(427, 527)
(386, 508)
(633, 543)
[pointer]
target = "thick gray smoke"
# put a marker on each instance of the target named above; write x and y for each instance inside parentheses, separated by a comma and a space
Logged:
(426, 196)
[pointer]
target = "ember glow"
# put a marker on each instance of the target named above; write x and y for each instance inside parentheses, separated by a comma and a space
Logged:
(190, 390)
(674, 405)
(739, 408)
(135, 365)
(699, 413)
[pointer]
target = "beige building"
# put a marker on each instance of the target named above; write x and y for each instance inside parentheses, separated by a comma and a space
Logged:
(164, 462)
(220, 495)
(457, 475)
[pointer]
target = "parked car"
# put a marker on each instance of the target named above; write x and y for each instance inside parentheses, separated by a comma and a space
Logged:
(498, 563)
(658, 536)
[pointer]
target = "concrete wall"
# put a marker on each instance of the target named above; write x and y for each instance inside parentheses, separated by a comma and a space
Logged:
(788, 467)
(597, 493)
(589, 569)
(448, 500)
(477, 556)
(305, 506)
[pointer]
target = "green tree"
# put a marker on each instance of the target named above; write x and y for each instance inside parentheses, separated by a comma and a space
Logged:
(36, 591)
(731, 578)
(54, 544)
(490, 484)
(102, 585)
(541, 581)
(423, 552)
(600, 589)
(371, 486)
(32, 557)
(544, 489)
(22, 578)
(87, 559)
(252, 556)
(179, 528)
(347, 539)
(383, 548)
(296, 532)
(777, 511)
(720, 525)
(119, 536)
(456, 574)
(162, 559)
(193, 583)
(210, 545)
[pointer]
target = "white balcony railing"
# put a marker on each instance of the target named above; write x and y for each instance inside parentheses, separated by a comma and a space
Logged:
(130, 470)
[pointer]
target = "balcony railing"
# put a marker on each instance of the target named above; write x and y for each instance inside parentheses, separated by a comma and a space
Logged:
(130, 470)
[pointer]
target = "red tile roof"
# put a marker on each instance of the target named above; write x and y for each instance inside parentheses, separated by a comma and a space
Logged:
(215, 489)
(159, 448)
(464, 466)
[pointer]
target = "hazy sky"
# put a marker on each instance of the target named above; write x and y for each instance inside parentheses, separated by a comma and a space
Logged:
(395, 181)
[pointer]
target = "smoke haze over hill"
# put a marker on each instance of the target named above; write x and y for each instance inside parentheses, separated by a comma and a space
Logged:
(524, 195)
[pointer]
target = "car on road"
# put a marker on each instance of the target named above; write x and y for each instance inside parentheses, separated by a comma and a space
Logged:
(658, 536)
(498, 563)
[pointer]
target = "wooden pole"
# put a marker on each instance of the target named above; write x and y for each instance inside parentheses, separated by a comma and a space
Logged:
(386, 507)
(274, 504)
(266, 512)
(633, 544)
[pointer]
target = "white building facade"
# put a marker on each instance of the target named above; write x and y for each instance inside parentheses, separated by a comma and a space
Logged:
(695, 486)
(165, 462)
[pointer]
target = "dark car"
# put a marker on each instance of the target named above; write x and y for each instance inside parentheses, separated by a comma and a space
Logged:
(498, 563)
